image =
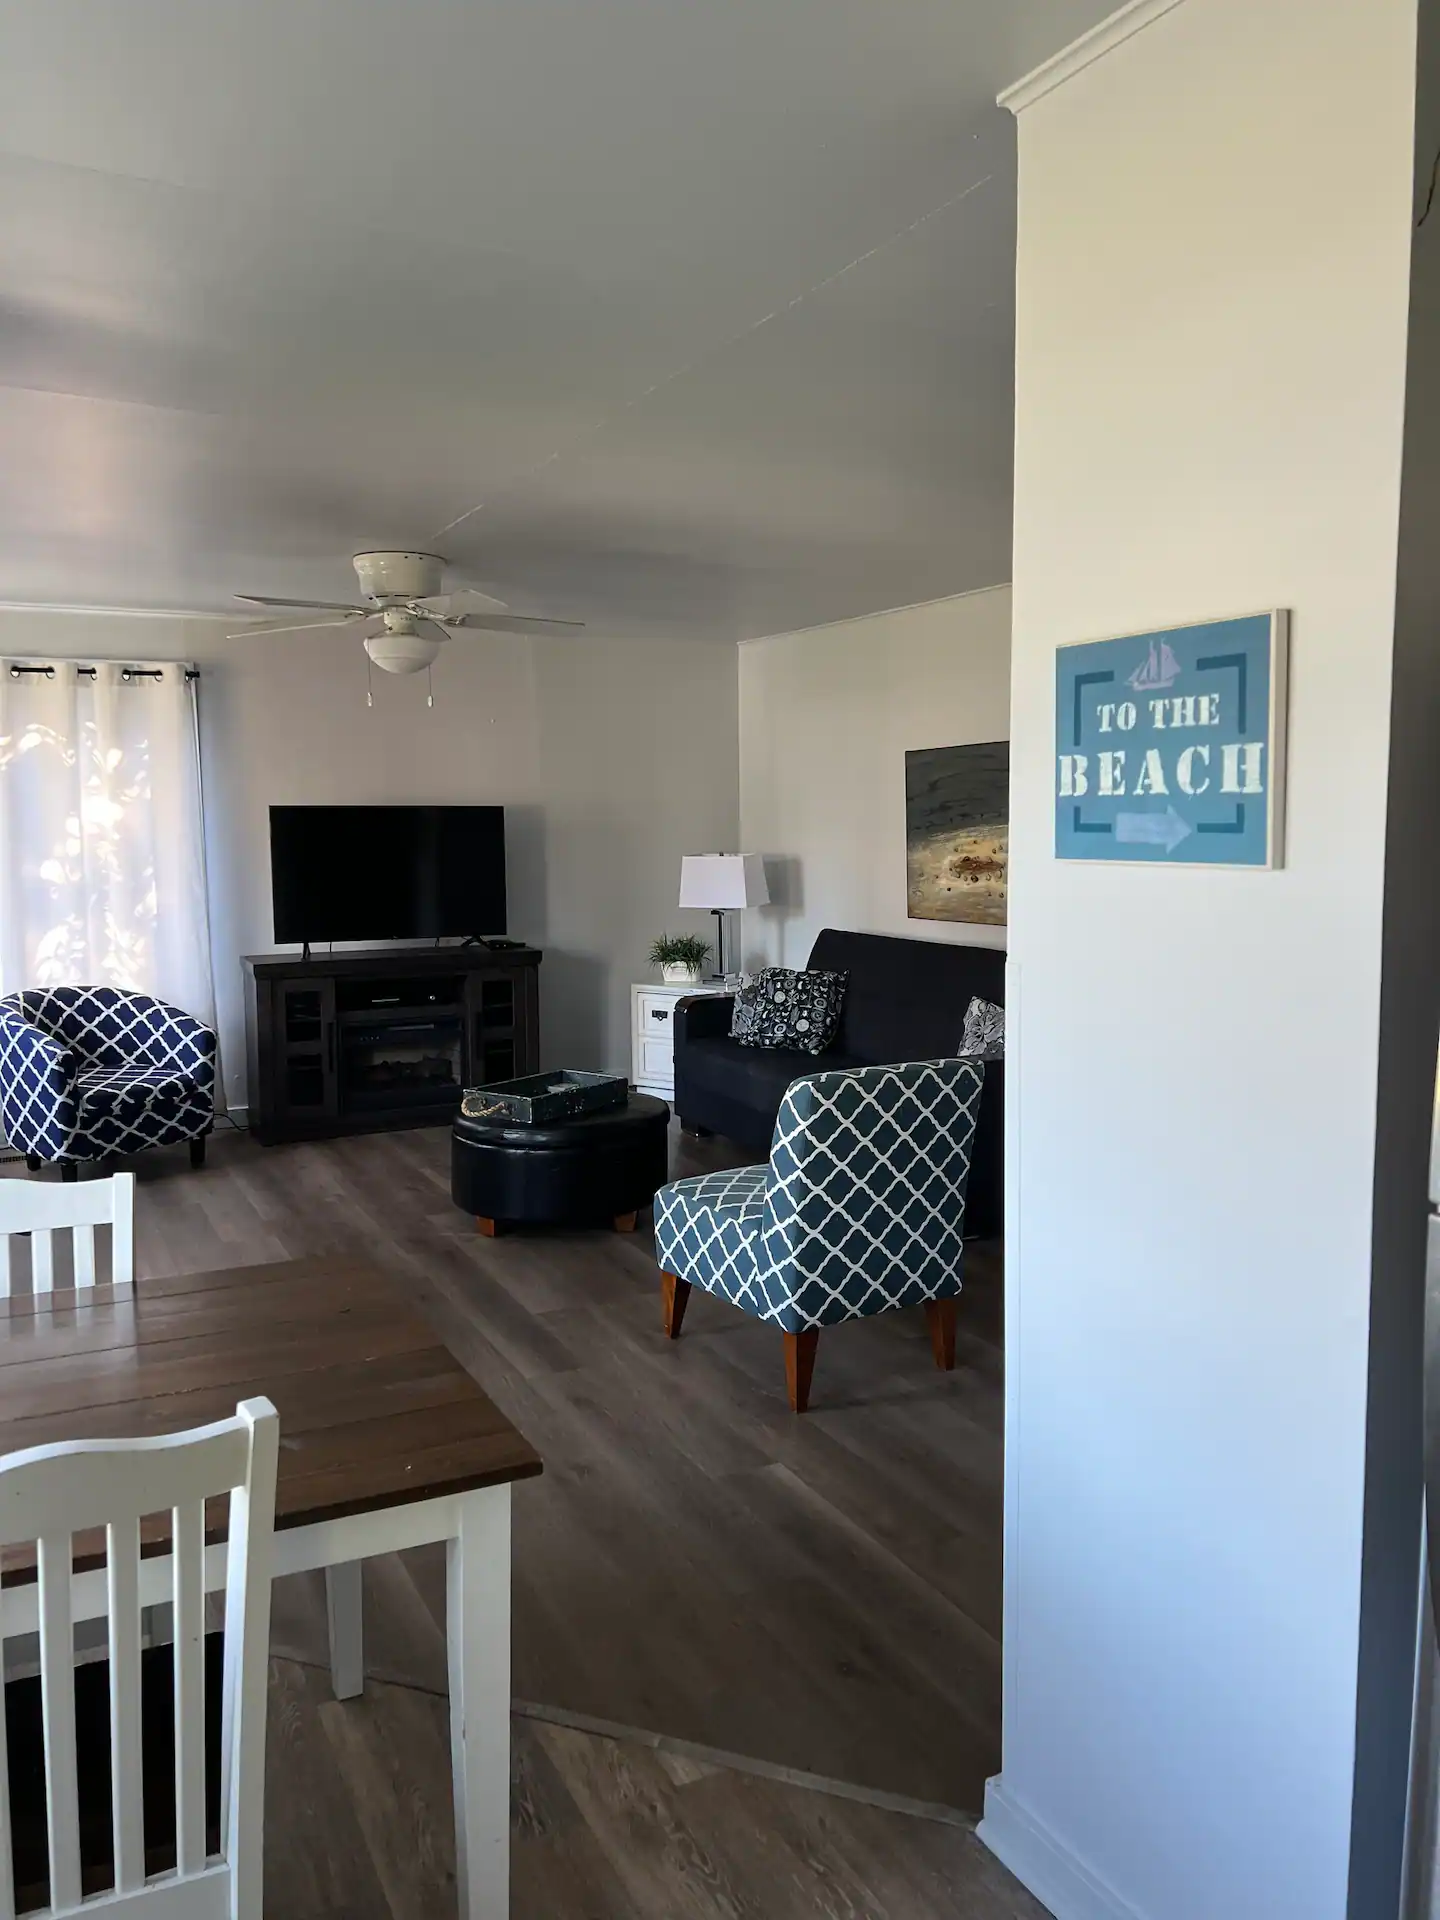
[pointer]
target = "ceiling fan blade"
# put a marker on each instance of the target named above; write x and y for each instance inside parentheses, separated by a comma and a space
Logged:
(437, 606)
(476, 596)
(330, 606)
(305, 626)
(514, 623)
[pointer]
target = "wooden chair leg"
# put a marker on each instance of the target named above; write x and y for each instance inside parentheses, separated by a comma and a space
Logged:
(34, 1162)
(197, 1150)
(492, 1229)
(674, 1295)
(69, 1170)
(941, 1317)
(800, 1366)
(625, 1222)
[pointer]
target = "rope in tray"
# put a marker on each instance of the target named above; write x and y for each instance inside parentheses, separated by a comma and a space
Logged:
(500, 1106)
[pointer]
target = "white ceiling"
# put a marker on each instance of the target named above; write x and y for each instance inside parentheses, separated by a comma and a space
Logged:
(681, 316)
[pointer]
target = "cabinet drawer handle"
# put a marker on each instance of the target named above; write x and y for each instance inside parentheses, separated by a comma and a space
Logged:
(659, 1013)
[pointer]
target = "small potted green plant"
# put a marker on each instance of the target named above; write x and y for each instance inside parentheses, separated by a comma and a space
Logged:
(680, 957)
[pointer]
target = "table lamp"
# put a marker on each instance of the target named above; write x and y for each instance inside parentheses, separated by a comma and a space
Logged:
(723, 882)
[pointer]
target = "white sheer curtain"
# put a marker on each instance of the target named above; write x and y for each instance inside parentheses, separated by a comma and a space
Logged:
(102, 853)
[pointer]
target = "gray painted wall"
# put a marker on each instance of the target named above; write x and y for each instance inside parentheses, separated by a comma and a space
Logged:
(613, 757)
(826, 718)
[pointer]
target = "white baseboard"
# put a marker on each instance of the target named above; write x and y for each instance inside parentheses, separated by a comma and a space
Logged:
(1056, 1878)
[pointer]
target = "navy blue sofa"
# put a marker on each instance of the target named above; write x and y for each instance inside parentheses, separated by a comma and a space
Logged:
(906, 1000)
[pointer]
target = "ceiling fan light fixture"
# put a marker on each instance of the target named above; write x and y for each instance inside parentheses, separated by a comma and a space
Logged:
(402, 652)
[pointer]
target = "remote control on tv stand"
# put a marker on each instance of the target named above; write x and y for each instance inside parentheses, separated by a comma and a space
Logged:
(497, 945)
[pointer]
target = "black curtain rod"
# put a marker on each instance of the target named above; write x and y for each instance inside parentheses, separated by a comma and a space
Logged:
(88, 673)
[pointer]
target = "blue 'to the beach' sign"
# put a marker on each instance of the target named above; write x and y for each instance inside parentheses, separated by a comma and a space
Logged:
(1170, 746)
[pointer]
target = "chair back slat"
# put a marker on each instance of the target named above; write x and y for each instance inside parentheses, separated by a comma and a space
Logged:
(188, 1557)
(41, 1209)
(42, 1260)
(122, 1557)
(82, 1243)
(247, 1651)
(57, 1683)
(49, 1494)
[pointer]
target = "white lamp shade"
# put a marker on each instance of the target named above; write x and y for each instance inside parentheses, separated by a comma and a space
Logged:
(725, 880)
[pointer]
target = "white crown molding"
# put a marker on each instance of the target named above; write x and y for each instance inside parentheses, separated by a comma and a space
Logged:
(1094, 45)
(876, 613)
(120, 613)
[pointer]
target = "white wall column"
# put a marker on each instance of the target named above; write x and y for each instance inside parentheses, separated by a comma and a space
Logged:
(1216, 1089)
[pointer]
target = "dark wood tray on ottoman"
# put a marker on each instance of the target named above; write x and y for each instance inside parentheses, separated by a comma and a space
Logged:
(592, 1167)
(540, 1099)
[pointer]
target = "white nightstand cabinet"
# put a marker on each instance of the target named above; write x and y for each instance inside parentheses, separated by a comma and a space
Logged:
(652, 1033)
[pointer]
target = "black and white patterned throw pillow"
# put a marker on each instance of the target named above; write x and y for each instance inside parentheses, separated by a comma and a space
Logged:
(779, 1007)
(984, 1035)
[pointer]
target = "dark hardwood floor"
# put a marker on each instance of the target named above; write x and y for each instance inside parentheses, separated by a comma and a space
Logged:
(603, 1829)
(820, 1593)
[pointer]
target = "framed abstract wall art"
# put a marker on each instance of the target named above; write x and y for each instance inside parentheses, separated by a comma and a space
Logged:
(957, 832)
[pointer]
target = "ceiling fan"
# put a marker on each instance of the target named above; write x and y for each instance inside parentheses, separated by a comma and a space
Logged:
(403, 592)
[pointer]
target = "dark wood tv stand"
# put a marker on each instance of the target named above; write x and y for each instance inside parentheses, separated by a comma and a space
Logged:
(383, 1037)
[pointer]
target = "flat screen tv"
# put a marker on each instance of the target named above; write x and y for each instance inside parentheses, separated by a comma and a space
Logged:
(387, 873)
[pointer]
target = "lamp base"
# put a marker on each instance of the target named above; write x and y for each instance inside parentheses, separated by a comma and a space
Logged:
(720, 967)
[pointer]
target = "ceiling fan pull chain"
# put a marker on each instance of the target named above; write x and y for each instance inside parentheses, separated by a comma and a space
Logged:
(429, 686)
(369, 687)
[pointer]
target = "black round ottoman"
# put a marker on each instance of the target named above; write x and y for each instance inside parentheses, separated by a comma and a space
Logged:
(598, 1166)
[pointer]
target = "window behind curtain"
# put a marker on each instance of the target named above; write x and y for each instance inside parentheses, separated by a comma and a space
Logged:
(102, 860)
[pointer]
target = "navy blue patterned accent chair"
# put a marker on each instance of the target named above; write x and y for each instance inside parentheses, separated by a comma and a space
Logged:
(861, 1208)
(90, 1072)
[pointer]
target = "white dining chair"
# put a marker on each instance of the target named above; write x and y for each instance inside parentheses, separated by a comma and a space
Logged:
(47, 1495)
(42, 1209)
(40, 1213)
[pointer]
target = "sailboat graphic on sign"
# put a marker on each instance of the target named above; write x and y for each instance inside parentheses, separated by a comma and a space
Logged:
(1160, 669)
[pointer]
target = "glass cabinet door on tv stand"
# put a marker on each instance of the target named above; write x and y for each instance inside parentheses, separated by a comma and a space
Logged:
(497, 1009)
(308, 1083)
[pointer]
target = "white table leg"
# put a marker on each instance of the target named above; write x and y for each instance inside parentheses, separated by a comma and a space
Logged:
(345, 1611)
(477, 1630)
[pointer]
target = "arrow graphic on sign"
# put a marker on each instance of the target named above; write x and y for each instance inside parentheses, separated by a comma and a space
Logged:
(1165, 830)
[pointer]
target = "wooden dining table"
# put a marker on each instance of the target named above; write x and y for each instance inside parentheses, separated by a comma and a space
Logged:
(385, 1443)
